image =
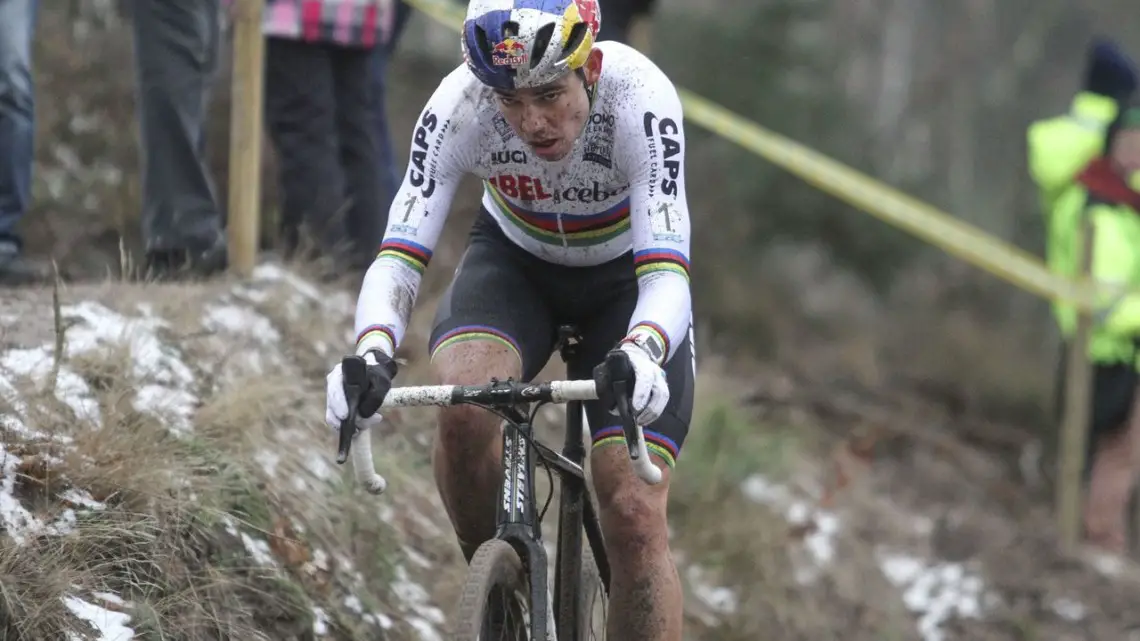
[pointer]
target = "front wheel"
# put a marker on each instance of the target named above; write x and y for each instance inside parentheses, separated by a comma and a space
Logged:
(494, 604)
(594, 607)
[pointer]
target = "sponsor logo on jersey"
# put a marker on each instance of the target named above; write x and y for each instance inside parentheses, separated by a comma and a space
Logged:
(503, 127)
(417, 168)
(506, 157)
(599, 147)
(530, 188)
(607, 120)
(664, 154)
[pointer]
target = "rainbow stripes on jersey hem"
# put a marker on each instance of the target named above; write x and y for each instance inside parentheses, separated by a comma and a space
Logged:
(648, 261)
(475, 333)
(574, 230)
(372, 331)
(405, 251)
(656, 443)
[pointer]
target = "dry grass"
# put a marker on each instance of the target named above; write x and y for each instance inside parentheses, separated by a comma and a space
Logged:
(751, 547)
(1002, 367)
(169, 537)
(158, 542)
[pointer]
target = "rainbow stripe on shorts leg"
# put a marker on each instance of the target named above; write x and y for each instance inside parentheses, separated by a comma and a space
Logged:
(475, 333)
(658, 444)
(411, 254)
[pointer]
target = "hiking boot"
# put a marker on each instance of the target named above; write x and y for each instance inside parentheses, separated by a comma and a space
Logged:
(17, 270)
(185, 264)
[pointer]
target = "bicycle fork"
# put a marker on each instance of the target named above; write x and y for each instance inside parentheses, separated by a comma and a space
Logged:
(518, 524)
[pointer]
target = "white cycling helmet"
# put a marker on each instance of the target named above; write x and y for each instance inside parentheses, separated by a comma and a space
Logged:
(513, 44)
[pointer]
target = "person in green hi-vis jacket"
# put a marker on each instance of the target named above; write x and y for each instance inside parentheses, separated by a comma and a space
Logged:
(1087, 163)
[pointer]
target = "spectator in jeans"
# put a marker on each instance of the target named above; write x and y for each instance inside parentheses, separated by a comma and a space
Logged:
(17, 128)
(389, 172)
(176, 59)
(1087, 165)
(320, 111)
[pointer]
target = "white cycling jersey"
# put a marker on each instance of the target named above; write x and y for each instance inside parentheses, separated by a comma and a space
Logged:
(621, 188)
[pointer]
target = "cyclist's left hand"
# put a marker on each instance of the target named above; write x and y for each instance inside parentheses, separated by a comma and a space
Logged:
(650, 391)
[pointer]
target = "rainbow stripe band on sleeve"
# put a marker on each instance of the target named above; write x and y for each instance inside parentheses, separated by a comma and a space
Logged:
(658, 444)
(656, 330)
(648, 261)
(405, 251)
(475, 333)
(378, 330)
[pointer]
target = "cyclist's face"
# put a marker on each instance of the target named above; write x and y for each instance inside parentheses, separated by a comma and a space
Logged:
(1126, 150)
(549, 118)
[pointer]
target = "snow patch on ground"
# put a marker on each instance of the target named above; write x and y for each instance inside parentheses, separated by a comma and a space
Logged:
(935, 592)
(109, 624)
(162, 384)
(163, 381)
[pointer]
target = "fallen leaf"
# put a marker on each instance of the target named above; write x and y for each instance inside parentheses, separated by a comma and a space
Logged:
(287, 546)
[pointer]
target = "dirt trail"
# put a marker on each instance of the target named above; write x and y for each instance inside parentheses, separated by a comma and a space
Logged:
(940, 490)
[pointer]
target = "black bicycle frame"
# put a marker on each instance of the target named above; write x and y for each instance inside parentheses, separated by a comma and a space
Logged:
(518, 524)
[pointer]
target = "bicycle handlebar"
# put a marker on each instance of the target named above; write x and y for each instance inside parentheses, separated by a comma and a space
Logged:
(496, 393)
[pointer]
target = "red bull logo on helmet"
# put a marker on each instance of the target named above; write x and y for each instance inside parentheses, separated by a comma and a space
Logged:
(588, 12)
(509, 52)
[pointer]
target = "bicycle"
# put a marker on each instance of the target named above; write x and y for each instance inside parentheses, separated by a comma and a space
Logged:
(512, 566)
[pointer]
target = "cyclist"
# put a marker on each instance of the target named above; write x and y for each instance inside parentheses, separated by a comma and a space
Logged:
(584, 220)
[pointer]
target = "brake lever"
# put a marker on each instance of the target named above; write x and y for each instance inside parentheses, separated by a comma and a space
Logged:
(354, 373)
(634, 437)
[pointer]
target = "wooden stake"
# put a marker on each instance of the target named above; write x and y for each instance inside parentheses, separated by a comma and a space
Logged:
(1075, 424)
(245, 136)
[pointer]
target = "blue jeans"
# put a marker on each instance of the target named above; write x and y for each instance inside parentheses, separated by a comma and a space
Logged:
(17, 114)
(176, 59)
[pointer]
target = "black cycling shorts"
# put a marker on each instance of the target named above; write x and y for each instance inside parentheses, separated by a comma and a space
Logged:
(503, 293)
(1113, 389)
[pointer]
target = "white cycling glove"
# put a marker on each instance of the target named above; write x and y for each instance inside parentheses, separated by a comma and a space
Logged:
(650, 387)
(336, 405)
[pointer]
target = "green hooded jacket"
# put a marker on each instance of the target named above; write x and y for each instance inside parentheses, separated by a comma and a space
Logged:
(1060, 149)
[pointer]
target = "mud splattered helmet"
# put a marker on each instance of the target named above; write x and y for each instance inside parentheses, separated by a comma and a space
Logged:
(514, 44)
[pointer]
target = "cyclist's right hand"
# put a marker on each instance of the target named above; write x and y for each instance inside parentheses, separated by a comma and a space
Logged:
(648, 389)
(380, 369)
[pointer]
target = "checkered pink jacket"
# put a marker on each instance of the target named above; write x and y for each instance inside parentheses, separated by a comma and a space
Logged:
(353, 23)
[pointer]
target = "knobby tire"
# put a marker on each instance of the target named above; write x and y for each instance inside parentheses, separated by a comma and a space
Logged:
(495, 574)
(592, 624)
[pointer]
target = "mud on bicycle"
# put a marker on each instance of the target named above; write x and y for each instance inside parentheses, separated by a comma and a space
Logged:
(507, 577)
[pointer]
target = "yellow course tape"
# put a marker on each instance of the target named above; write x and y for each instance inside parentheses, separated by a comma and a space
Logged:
(938, 228)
